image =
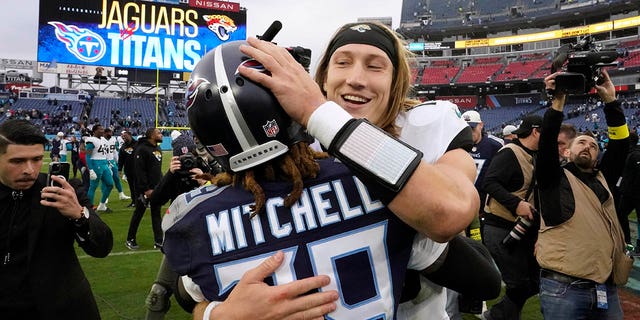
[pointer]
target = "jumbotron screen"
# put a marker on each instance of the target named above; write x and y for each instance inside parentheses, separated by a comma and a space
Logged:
(157, 35)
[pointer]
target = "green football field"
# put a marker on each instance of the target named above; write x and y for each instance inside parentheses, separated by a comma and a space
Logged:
(121, 281)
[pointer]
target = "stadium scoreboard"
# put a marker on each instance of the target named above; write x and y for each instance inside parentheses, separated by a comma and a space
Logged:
(168, 36)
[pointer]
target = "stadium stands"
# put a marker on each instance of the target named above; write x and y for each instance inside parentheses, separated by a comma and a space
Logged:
(632, 60)
(479, 73)
(518, 70)
(439, 75)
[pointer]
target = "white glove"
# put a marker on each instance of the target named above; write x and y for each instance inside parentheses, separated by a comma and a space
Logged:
(92, 175)
(124, 177)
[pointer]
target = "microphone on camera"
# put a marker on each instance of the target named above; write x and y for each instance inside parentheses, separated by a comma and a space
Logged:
(272, 31)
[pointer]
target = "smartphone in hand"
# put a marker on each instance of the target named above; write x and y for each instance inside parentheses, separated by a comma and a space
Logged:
(57, 169)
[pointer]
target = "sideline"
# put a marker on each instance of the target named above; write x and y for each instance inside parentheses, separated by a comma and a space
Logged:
(121, 253)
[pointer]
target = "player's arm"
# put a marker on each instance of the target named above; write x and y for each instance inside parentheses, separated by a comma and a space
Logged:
(466, 267)
(437, 199)
(90, 147)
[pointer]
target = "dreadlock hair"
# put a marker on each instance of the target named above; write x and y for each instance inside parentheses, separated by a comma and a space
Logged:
(297, 164)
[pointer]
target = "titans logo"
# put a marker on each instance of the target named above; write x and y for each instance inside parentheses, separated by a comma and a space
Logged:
(192, 90)
(84, 44)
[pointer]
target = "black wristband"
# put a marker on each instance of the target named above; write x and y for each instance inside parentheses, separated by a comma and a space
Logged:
(376, 157)
(83, 220)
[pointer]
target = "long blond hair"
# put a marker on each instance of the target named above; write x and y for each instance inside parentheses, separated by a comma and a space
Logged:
(297, 164)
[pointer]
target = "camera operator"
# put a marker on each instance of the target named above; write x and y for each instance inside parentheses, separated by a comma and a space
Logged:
(580, 248)
(510, 191)
(184, 175)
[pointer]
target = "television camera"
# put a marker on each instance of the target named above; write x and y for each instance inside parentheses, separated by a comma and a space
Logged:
(582, 63)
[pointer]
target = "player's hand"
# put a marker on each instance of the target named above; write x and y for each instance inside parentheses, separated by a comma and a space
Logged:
(282, 302)
(92, 175)
(290, 83)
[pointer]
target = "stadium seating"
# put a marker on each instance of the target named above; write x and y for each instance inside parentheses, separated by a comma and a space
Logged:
(439, 75)
(632, 60)
(479, 73)
(486, 60)
(518, 70)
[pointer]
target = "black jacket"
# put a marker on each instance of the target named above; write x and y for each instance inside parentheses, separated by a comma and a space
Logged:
(148, 165)
(630, 185)
(50, 270)
(171, 186)
(126, 158)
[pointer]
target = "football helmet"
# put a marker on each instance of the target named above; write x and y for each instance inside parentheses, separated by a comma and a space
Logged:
(239, 121)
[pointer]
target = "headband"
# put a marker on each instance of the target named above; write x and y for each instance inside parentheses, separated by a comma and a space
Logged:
(365, 33)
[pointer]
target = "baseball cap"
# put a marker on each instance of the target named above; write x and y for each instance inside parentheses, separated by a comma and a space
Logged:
(508, 129)
(60, 134)
(528, 123)
(472, 118)
(183, 144)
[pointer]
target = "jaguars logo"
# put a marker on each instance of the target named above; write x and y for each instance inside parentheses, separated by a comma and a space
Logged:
(361, 28)
(221, 25)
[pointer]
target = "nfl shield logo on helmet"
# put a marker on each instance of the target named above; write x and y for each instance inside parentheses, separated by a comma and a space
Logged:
(271, 128)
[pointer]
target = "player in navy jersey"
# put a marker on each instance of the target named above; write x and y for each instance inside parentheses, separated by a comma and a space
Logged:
(336, 229)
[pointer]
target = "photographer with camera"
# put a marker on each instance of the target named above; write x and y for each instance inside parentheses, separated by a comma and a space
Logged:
(509, 213)
(580, 248)
(184, 175)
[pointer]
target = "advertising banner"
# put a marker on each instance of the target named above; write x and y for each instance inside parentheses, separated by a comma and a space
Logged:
(79, 69)
(463, 102)
(510, 100)
(17, 64)
(133, 34)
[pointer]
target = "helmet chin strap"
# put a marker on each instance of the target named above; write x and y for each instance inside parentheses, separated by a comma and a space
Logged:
(298, 134)
(257, 155)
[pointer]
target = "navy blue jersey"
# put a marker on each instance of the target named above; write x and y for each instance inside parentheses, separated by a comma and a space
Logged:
(336, 229)
(482, 153)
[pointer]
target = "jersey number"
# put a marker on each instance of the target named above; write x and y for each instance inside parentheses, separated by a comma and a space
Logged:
(479, 165)
(328, 256)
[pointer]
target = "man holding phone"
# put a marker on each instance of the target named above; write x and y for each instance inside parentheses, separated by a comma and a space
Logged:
(39, 271)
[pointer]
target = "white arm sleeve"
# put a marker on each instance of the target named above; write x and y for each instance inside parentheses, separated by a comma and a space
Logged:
(193, 289)
(424, 252)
